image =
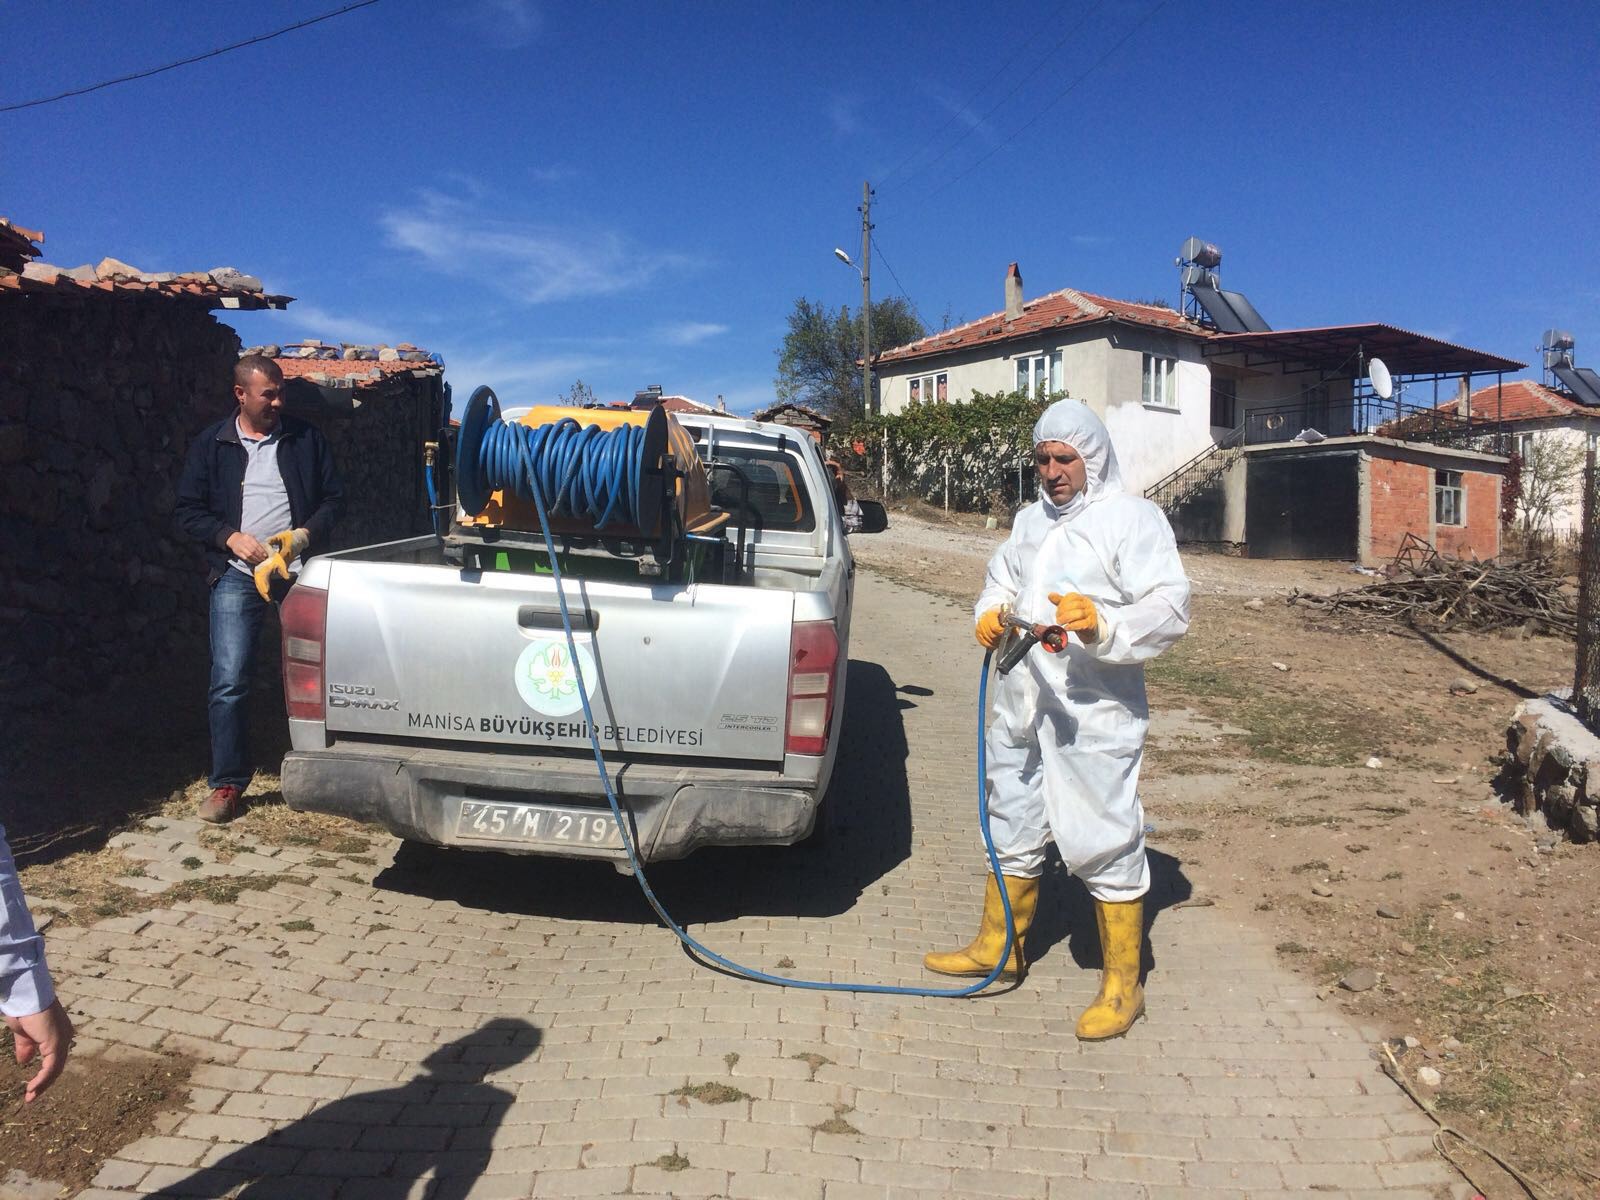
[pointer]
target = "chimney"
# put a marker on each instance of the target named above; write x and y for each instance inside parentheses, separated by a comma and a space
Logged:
(722, 405)
(1013, 293)
(1464, 396)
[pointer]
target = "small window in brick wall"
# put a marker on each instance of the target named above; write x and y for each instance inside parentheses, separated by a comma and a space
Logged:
(1449, 498)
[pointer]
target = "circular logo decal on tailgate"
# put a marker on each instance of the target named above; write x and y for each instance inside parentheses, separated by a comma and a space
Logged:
(546, 680)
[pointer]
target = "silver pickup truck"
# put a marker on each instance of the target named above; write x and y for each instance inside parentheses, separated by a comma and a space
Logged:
(431, 692)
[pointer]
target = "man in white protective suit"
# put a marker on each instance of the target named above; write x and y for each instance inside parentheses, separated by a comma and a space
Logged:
(1068, 729)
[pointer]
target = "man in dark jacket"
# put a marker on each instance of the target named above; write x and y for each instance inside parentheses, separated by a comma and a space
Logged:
(253, 475)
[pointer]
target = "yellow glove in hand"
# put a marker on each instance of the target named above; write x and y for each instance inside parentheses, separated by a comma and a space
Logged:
(1077, 614)
(290, 544)
(990, 630)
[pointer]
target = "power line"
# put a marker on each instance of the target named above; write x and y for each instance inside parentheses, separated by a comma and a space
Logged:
(955, 113)
(1062, 95)
(1017, 87)
(184, 62)
(897, 282)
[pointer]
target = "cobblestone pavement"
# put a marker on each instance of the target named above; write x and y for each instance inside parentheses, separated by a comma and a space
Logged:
(511, 1027)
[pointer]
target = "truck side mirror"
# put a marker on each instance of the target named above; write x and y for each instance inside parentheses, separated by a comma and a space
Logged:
(874, 519)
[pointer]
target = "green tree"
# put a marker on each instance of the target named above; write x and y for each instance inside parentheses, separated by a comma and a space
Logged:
(819, 363)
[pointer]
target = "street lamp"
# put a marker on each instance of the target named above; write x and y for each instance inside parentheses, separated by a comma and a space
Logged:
(866, 318)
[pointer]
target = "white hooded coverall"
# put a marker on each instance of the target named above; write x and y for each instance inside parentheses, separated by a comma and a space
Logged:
(1068, 731)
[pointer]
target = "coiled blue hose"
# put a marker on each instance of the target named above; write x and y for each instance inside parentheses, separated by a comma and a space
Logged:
(587, 473)
(523, 456)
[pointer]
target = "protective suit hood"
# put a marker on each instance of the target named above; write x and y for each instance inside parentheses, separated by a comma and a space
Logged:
(1073, 422)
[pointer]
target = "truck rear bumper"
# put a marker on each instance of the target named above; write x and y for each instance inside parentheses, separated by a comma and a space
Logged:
(416, 795)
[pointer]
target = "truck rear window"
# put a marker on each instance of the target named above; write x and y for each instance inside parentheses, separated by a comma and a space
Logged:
(777, 497)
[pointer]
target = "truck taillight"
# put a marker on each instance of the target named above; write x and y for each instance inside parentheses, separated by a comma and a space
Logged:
(813, 659)
(304, 617)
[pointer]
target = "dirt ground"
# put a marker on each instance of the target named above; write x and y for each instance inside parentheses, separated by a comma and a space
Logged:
(1326, 781)
(90, 1113)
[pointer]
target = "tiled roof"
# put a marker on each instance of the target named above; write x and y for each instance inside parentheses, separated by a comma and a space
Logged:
(772, 410)
(1061, 309)
(1523, 400)
(220, 287)
(684, 404)
(346, 365)
(17, 245)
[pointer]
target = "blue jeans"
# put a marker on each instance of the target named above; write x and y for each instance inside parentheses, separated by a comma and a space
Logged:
(237, 613)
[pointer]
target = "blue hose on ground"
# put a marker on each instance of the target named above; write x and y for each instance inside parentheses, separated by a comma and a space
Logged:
(614, 475)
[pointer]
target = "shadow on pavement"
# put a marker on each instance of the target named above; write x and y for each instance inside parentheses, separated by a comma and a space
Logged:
(442, 1122)
(867, 832)
(1066, 910)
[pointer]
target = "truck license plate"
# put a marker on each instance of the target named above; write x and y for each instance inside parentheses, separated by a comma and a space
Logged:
(488, 821)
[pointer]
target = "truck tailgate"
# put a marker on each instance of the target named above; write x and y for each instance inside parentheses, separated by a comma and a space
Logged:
(442, 654)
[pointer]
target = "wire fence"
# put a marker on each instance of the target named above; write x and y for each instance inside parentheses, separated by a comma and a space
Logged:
(1586, 674)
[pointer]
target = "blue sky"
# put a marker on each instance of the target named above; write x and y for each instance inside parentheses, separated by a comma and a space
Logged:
(636, 193)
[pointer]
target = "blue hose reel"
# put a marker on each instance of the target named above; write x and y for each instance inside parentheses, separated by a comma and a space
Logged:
(593, 479)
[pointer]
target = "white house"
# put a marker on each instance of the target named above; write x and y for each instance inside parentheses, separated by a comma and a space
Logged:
(1539, 418)
(1138, 365)
(1279, 430)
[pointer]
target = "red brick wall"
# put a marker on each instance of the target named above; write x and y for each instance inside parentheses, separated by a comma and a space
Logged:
(1480, 536)
(1401, 497)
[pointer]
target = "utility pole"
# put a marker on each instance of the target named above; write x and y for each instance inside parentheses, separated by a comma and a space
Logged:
(867, 407)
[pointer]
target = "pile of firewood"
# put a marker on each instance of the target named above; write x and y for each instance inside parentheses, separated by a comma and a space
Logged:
(1440, 594)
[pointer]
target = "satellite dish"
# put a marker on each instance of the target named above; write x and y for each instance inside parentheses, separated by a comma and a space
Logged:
(1382, 383)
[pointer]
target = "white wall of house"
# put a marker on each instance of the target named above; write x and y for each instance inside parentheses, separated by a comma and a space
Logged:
(1104, 367)
(1567, 518)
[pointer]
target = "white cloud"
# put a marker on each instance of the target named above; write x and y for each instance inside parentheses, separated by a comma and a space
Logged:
(688, 333)
(842, 111)
(508, 23)
(313, 321)
(516, 377)
(967, 117)
(529, 261)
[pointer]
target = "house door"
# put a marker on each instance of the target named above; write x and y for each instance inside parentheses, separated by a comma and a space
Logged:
(1304, 506)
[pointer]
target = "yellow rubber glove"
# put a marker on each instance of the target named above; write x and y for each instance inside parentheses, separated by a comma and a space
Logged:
(288, 545)
(990, 630)
(1077, 614)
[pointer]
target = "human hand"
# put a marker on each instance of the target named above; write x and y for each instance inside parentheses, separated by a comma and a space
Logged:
(990, 629)
(1076, 614)
(246, 548)
(46, 1035)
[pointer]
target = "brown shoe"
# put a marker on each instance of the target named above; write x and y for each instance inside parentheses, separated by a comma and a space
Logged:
(223, 805)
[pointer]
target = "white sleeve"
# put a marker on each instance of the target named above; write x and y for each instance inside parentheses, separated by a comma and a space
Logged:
(1002, 581)
(25, 986)
(1154, 610)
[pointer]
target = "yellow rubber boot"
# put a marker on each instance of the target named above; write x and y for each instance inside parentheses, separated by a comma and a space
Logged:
(1121, 999)
(981, 956)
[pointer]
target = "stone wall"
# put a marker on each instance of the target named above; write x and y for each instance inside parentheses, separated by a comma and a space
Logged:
(99, 401)
(1552, 766)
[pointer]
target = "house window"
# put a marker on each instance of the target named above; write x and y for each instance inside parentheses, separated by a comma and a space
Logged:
(1224, 403)
(934, 389)
(1160, 385)
(1449, 498)
(1039, 375)
(1525, 445)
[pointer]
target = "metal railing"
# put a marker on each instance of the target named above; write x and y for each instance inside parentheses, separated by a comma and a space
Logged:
(1369, 415)
(1172, 489)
